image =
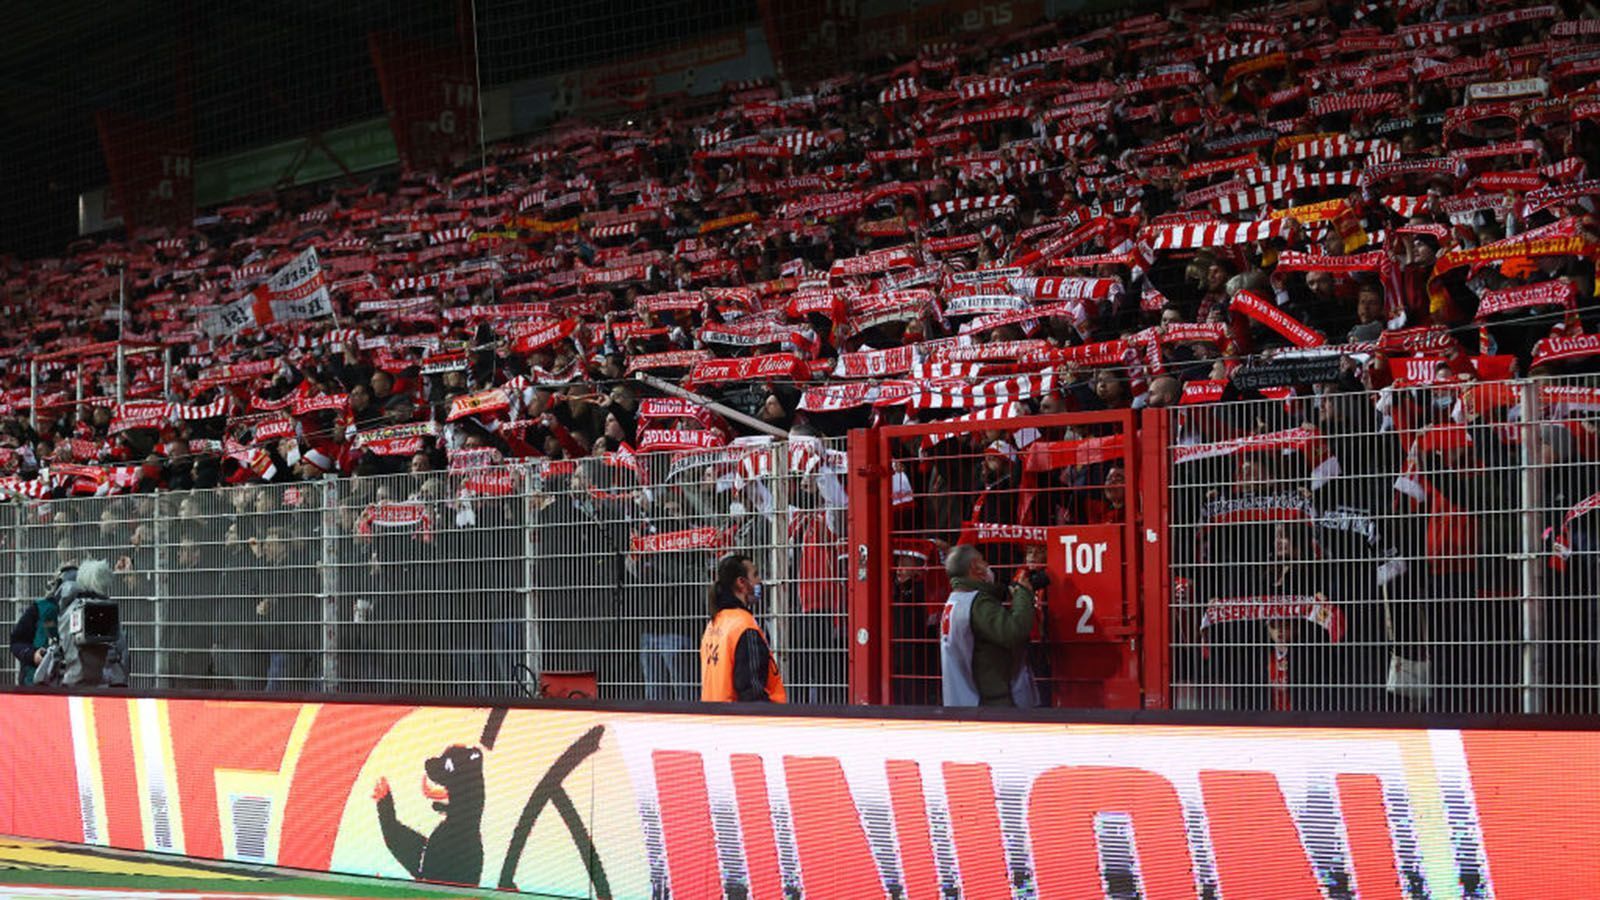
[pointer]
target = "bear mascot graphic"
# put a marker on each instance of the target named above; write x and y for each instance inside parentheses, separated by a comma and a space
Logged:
(453, 853)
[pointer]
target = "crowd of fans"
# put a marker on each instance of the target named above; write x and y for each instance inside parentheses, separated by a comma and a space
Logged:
(1341, 207)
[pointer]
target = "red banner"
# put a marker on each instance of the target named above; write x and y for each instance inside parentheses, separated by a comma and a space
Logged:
(493, 400)
(775, 366)
(430, 95)
(1045, 456)
(876, 261)
(703, 538)
(654, 439)
(151, 167)
(1276, 608)
(396, 440)
(1253, 305)
(1546, 293)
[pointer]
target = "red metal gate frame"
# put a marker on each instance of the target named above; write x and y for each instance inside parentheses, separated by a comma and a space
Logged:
(1155, 558)
(870, 531)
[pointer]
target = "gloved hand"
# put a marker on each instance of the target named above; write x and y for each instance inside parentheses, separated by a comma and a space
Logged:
(1039, 579)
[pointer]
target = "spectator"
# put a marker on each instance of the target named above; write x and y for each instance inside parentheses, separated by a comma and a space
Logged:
(284, 625)
(816, 666)
(983, 642)
(665, 599)
(1164, 391)
(191, 598)
(916, 628)
(1369, 313)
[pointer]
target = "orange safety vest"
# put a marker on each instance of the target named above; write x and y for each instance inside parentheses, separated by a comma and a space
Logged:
(717, 648)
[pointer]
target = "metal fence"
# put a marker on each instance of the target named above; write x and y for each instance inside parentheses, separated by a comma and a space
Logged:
(1418, 548)
(475, 582)
(1422, 548)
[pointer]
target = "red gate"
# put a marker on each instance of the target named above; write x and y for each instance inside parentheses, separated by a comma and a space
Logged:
(1060, 492)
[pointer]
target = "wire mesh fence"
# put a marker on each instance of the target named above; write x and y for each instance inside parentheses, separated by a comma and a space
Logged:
(98, 94)
(523, 40)
(591, 573)
(1419, 548)
(1424, 547)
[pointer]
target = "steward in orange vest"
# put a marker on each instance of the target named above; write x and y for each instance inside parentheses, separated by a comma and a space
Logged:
(735, 661)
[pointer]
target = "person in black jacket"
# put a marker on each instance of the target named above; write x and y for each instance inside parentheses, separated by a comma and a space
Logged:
(191, 598)
(36, 627)
(284, 631)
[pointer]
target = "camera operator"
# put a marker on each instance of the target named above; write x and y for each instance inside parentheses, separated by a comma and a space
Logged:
(90, 649)
(35, 629)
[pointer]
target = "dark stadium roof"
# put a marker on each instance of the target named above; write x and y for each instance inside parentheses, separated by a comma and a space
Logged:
(258, 71)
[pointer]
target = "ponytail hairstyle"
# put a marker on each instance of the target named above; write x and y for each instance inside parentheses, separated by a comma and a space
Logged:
(729, 571)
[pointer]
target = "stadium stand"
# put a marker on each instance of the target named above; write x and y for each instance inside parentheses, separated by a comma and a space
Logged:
(1302, 212)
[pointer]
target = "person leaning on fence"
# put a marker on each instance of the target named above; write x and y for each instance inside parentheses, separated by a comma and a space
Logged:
(983, 643)
(736, 663)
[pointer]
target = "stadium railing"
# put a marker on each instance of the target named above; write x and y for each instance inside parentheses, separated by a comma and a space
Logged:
(1422, 548)
(555, 577)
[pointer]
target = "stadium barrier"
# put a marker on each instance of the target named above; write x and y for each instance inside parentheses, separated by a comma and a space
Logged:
(1427, 551)
(617, 803)
(1418, 549)
(497, 580)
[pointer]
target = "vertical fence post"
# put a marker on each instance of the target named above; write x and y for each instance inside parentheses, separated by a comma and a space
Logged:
(1153, 555)
(19, 574)
(1533, 612)
(158, 596)
(869, 632)
(330, 583)
(532, 639)
(780, 585)
(122, 326)
(33, 393)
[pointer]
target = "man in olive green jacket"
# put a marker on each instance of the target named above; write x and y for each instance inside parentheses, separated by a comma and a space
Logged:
(983, 643)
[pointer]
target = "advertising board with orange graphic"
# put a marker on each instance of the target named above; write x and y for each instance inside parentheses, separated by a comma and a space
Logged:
(595, 803)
